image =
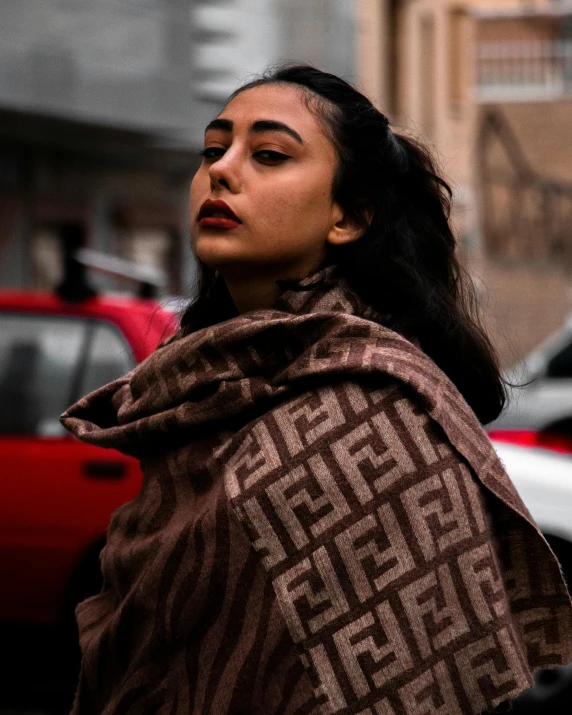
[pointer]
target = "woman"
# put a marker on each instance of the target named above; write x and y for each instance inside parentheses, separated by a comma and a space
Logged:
(323, 525)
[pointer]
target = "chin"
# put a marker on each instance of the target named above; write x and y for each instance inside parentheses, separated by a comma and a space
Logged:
(222, 261)
(214, 249)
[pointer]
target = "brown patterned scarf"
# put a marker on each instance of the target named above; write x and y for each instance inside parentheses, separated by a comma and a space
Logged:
(323, 527)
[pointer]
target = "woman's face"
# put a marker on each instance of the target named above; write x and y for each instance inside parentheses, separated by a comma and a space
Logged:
(268, 158)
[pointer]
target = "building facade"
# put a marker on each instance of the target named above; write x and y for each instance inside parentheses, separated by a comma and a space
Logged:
(102, 110)
(95, 116)
(486, 83)
(103, 105)
(414, 64)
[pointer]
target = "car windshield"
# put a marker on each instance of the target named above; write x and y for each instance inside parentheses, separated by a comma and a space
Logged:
(48, 362)
(540, 388)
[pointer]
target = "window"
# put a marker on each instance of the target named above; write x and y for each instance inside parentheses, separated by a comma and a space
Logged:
(47, 363)
(38, 360)
(46, 256)
(428, 84)
(459, 42)
(561, 364)
(108, 358)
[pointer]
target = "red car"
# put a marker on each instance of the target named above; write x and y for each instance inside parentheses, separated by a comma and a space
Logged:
(56, 493)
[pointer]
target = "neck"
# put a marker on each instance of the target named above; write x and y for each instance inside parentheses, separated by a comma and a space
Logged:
(258, 290)
(250, 294)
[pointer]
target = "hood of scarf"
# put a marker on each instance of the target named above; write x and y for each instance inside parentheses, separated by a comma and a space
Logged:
(216, 380)
(223, 374)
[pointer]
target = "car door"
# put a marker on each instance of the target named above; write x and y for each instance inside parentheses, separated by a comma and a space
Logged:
(56, 493)
(545, 395)
(552, 394)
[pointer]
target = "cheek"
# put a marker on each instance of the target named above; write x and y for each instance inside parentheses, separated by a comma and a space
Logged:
(300, 209)
(199, 185)
(196, 197)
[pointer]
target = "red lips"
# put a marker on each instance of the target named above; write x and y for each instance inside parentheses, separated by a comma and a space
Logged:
(217, 214)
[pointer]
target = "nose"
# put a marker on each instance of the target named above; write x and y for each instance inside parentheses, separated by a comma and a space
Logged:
(225, 172)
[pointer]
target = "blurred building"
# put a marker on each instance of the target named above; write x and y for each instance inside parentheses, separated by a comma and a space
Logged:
(103, 105)
(95, 110)
(488, 84)
(102, 110)
(523, 78)
(414, 60)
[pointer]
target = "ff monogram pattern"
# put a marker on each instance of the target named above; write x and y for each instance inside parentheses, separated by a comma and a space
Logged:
(324, 527)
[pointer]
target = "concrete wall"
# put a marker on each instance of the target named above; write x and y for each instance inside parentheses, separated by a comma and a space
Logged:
(104, 102)
(510, 29)
(237, 40)
(162, 66)
(433, 99)
(121, 63)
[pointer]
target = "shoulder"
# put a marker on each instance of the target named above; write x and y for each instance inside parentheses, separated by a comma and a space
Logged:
(368, 522)
(326, 457)
(381, 546)
(342, 411)
(341, 418)
(357, 379)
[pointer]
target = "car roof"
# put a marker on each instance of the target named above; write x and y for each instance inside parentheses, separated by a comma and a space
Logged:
(145, 322)
(537, 358)
(44, 300)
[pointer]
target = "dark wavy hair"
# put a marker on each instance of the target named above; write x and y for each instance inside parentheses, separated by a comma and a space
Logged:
(405, 262)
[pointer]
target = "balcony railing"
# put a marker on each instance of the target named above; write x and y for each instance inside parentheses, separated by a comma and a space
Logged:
(527, 217)
(524, 69)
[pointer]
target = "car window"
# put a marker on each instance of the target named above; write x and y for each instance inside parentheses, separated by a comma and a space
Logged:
(560, 365)
(48, 362)
(39, 356)
(108, 358)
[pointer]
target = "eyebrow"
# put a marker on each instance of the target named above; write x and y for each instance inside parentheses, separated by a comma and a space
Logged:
(262, 125)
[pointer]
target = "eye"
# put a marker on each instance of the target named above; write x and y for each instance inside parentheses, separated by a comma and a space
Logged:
(267, 156)
(212, 152)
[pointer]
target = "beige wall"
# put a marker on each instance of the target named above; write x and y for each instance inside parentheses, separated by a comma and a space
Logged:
(432, 95)
(502, 4)
(537, 28)
(435, 99)
(372, 29)
(416, 61)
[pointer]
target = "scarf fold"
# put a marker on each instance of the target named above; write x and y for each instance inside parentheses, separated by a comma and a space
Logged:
(324, 526)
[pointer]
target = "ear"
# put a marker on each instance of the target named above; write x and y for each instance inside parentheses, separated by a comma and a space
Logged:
(345, 228)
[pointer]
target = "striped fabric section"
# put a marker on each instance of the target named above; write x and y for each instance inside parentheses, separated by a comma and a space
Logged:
(323, 527)
(187, 621)
(384, 556)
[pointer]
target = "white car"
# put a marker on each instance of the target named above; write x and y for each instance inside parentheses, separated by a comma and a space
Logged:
(543, 478)
(541, 398)
(533, 437)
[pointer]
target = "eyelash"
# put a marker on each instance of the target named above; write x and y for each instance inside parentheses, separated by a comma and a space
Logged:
(212, 153)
